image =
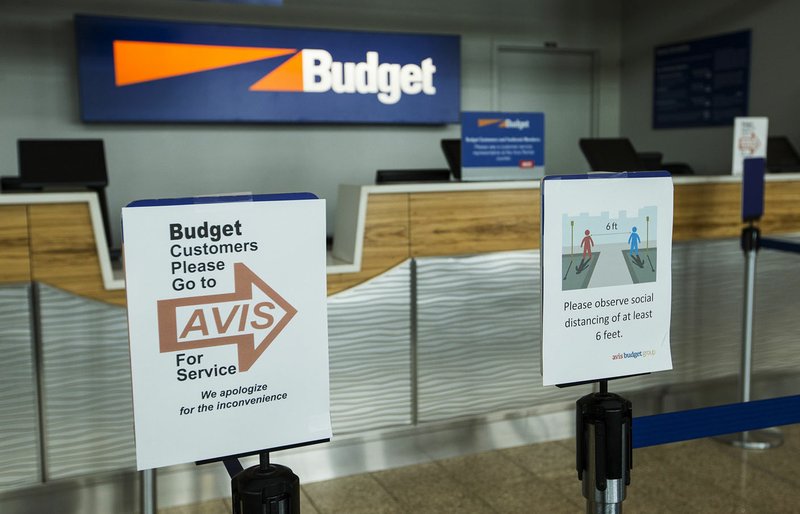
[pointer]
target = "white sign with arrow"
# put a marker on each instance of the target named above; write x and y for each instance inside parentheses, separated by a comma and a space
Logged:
(228, 325)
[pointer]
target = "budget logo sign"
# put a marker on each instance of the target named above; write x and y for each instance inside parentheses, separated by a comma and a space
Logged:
(134, 70)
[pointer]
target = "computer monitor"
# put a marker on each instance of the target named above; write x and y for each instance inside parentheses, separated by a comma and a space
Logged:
(62, 163)
(781, 155)
(418, 175)
(611, 154)
(452, 152)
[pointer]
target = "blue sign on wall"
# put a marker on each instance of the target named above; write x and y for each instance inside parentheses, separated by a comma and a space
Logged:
(502, 145)
(701, 83)
(155, 71)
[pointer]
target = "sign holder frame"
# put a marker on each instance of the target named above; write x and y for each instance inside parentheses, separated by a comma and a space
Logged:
(604, 438)
(266, 483)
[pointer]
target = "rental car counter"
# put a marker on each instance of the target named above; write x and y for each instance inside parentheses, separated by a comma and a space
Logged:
(433, 314)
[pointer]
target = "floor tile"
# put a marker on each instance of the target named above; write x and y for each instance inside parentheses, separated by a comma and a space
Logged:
(430, 488)
(482, 469)
(306, 506)
(208, 507)
(529, 495)
(356, 494)
(546, 460)
(693, 477)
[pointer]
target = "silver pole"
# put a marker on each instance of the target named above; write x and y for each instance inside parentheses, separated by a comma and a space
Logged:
(769, 437)
(610, 500)
(747, 336)
(148, 491)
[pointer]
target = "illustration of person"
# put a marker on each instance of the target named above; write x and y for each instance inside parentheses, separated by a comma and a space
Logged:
(633, 240)
(587, 243)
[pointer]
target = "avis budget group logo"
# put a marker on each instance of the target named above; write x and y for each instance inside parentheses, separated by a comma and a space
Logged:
(504, 123)
(307, 70)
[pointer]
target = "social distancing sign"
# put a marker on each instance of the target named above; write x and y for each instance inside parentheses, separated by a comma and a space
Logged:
(228, 325)
(606, 275)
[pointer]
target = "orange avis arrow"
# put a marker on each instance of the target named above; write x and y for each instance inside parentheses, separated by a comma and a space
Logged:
(251, 317)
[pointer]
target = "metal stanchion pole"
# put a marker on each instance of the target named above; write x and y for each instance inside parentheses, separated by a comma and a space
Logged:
(750, 237)
(148, 491)
(604, 450)
(756, 439)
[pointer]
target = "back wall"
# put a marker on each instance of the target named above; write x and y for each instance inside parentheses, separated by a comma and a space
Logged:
(774, 75)
(38, 93)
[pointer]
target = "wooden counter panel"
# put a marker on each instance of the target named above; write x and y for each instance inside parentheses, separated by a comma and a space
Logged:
(472, 222)
(14, 258)
(781, 208)
(707, 211)
(385, 240)
(714, 211)
(63, 251)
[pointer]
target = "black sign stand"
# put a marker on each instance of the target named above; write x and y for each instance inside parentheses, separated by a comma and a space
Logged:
(604, 450)
(266, 489)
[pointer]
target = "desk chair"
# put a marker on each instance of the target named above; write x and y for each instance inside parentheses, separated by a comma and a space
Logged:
(618, 154)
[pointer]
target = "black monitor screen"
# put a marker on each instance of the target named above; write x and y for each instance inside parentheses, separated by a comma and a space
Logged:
(62, 162)
(610, 154)
(452, 152)
(781, 155)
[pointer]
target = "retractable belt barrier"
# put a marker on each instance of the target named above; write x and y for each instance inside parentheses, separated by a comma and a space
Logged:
(777, 244)
(672, 427)
(748, 415)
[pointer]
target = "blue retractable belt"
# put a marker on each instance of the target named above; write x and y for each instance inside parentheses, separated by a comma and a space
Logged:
(672, 427)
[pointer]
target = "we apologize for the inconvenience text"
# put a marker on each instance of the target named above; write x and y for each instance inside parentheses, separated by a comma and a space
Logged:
(233, 398)
(606, 318)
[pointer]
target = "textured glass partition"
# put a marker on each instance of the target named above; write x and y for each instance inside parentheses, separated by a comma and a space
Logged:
(707, 310)
(19, 434)
(478, 344)
(88, 415)
(479, 327)
(370, 353)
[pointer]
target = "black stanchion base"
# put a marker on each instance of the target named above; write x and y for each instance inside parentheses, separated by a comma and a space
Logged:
(273, 489)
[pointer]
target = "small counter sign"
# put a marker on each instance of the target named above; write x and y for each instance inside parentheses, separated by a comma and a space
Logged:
(502, 145)
(228, 325)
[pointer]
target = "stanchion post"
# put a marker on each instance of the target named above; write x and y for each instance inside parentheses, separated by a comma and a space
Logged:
(752, 210)
(750, 244)
(759, 439)
(266, 489)
(604, 451)
(147, 489)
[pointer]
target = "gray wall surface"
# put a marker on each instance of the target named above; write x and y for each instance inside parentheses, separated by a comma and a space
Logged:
(774, 74)
(38, 92)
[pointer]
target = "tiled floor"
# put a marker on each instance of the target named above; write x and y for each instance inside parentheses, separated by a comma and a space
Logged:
(694, 477)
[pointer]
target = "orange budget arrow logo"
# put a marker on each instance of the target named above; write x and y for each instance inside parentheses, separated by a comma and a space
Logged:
(251, 317)
(485, 122)
(136, 62)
